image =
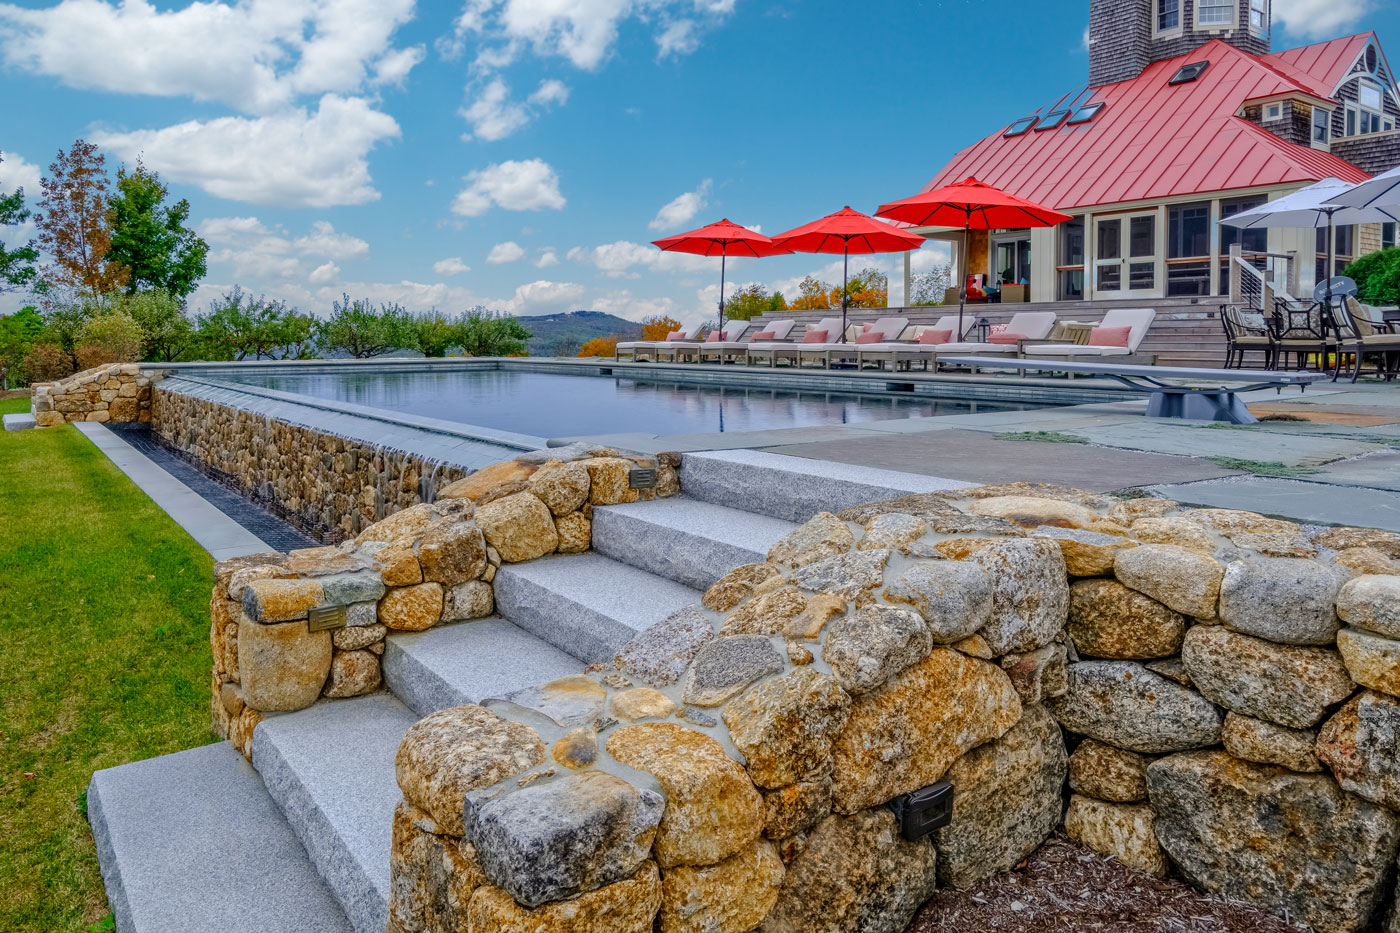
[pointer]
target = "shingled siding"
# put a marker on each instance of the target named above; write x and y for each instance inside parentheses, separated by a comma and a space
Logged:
(1374, 153)
(1121, 43)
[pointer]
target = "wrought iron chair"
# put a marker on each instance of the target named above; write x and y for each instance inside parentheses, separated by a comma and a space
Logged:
(1241, 337)
(1300, 330)
(1359, 336)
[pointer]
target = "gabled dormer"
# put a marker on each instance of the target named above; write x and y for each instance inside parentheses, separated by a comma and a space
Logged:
(1125, 36)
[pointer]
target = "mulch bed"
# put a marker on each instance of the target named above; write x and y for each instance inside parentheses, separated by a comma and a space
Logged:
(1065, 888)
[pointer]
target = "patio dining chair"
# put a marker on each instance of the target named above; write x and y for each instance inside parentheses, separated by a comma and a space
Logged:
(1358, 337)
(1300, 330)
(1242, 337)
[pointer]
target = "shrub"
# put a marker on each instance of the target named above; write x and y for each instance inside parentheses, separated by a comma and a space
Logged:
(47, 362)
(93, 355)
(600, 346)
(1378, 277)
(110, 336)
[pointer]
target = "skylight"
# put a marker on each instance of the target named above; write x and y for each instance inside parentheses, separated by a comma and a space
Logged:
(1189, 73)
(1020, 126)
(1085, 113)
(1052, 120)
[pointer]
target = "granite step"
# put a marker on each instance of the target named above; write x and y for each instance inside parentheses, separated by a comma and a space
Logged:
(330, 769)
(193, 841)
(451, 665)
(794, 488)
(586, 605)
(686, 540)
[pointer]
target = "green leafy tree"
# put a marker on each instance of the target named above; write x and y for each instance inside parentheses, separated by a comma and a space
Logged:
(18, 267)
(751, 301)
(286, 333)
(437, 332)
(238, 326)
(492, 333)
(361, 330)
(150, 238)
(18, 334)
(1377, 277)
(167, 329)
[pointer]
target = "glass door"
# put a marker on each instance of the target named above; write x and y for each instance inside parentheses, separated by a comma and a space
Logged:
(1125, 257)
(1011, 261)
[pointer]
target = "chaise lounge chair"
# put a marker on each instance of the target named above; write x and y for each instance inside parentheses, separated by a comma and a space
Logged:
(884, 330)
(633, 347)
(1024, 326)
(1119, 334)
(727, 343)
(786, 347)
(920, 348)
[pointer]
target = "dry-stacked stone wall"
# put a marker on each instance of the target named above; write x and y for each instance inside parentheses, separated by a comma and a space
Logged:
(1218, 690)
(428, 564)
(118, 392)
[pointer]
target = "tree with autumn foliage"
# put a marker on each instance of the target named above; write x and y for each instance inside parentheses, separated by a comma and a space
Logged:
(868, 288)
(600, 346)
(658, 327)
(75, 224)
(812, 295)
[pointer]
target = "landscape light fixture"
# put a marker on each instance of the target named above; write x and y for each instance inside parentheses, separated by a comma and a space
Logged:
(922, 811)
(642, 478)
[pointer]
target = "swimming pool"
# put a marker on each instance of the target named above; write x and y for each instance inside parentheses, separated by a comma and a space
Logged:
(558, 405)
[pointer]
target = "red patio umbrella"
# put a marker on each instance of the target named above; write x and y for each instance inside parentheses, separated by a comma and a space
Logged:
(848, 231)
(722, 239)
(973, 206)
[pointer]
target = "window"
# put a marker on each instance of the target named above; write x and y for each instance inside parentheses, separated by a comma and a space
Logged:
(1321, 125)
(1052, 120)
(1372, 59)
(1188, 73)
(1071, 268)
(1344, 249)
(1168, 15)
(1188, 249)
(1085, 113)
(1020, 126)
(1370, 95)
(1251, 241)
(1368, 113)
(1259, 15)
(1353, 115)
(1215, 13)
(1388, 235)
(1273, 112)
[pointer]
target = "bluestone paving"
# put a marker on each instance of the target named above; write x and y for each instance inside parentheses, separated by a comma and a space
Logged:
(683, 539)
(330, 767)
(467, 662)
(1187, 439)
(1380, 470)
(18, 421)
(1294, 499)
(193, 841)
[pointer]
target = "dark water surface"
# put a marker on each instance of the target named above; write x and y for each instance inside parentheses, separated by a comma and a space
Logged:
(549, 405)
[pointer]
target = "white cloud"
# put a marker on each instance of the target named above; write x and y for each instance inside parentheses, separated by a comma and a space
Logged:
(528, 185)
(1317, 19)
(15, 173)
(549, 92)
(682, 208)
(494, 115)
(326, 272)
(545, 297)
(292, 159)
(678, 38)
(619, 259)
(324, 241)
(626, 305)
(546, 259)
(255, 55)
(451, 266)
(502, 253)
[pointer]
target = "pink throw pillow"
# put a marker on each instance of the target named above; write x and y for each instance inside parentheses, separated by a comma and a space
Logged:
(716, 336)
(998, 328)
(1109, 336)
(865, 328)
(676, 335)
(1005, 338)
(868, 337)
(765, 335)
(936, 337)
(815, 336)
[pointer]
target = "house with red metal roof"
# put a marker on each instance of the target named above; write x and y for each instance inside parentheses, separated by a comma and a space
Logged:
(1188, 117)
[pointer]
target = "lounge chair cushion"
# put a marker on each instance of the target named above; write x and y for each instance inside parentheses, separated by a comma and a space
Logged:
(814, 336)
(998, 329)
(676, 335)
(1109, 336)
(1005, 338)
(765, 335)
(870, 337)
(935, 337)
(717, 335)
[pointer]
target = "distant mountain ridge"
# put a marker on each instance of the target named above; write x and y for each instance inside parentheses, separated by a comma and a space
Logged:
(564, 333)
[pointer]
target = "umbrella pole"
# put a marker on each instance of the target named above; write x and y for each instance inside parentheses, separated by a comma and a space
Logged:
(722, 258)
(845, 270)
(962, 283)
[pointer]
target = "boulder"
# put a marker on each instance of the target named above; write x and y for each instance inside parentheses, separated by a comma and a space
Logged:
(575, 532)
(1361, 745)
(1269, 536)
(627, 906)
(484, 480)
(814, 616)
(1370, 602)
(1366, 560)
(471, 600)
(1039, 674)
(1030, 596)
(1121, 830)
(576, 749)
(1265, 743)
(1124, 704)
(345, 589)
(1371, 660)
(280, 600)
(411, 522)
(398, 565)
(1284, 599)
(519, 526)
(1387, 542)
(1106, 772)
(768, 614)
(905, 734)
(850, 576)
(891, 531)
(784, 727)
(1007, 801)
(608, 481)
(446, 754)
(1109, 620)
(727, 665)
(1029, 512)
(821, 536)
(661, 653)
(1285, 684)
(954, 597)
(412, 608)
(1086, 553)
(740, 583)
(1084, 497)
(712, 811)
(641, 703)
(282, 666)
(1127, 511)
(798, 807)
(1274, 838)
(549, 842)
(868, 648)
(568, 702)
(353, 673)
(1183, 579)
(451, 553)
(855, 875)
(1179, 531)
(431, 876)
(563, 488)
(732, 896)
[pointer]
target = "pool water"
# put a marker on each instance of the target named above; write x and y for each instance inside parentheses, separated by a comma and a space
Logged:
(550, 405)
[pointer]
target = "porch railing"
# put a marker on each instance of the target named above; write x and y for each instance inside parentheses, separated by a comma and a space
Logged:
(1251, 271)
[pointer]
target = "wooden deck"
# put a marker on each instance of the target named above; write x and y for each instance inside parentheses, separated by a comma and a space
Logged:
(1186, 332)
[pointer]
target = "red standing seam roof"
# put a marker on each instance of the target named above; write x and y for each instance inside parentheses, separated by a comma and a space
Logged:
(1154, 140)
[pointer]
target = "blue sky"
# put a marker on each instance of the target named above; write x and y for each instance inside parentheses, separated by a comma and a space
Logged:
(521, 153)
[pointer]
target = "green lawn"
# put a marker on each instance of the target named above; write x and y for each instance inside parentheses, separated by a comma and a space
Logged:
(104, 659)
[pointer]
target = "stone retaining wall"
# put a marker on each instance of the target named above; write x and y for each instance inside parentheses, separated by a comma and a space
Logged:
(117, 392)
(1227, 684)
(427, 564)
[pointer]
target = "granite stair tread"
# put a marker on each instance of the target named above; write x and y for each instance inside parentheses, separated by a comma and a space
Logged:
(467, 662)
(587, 605)
(330, 768)
(193, 841)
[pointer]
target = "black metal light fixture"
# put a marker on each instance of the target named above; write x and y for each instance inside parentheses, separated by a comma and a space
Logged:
(642, 478)
(921, 811)
(984, 327)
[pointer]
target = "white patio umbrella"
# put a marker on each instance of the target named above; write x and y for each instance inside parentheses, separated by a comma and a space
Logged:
(1314, 206)
(1381, 193)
